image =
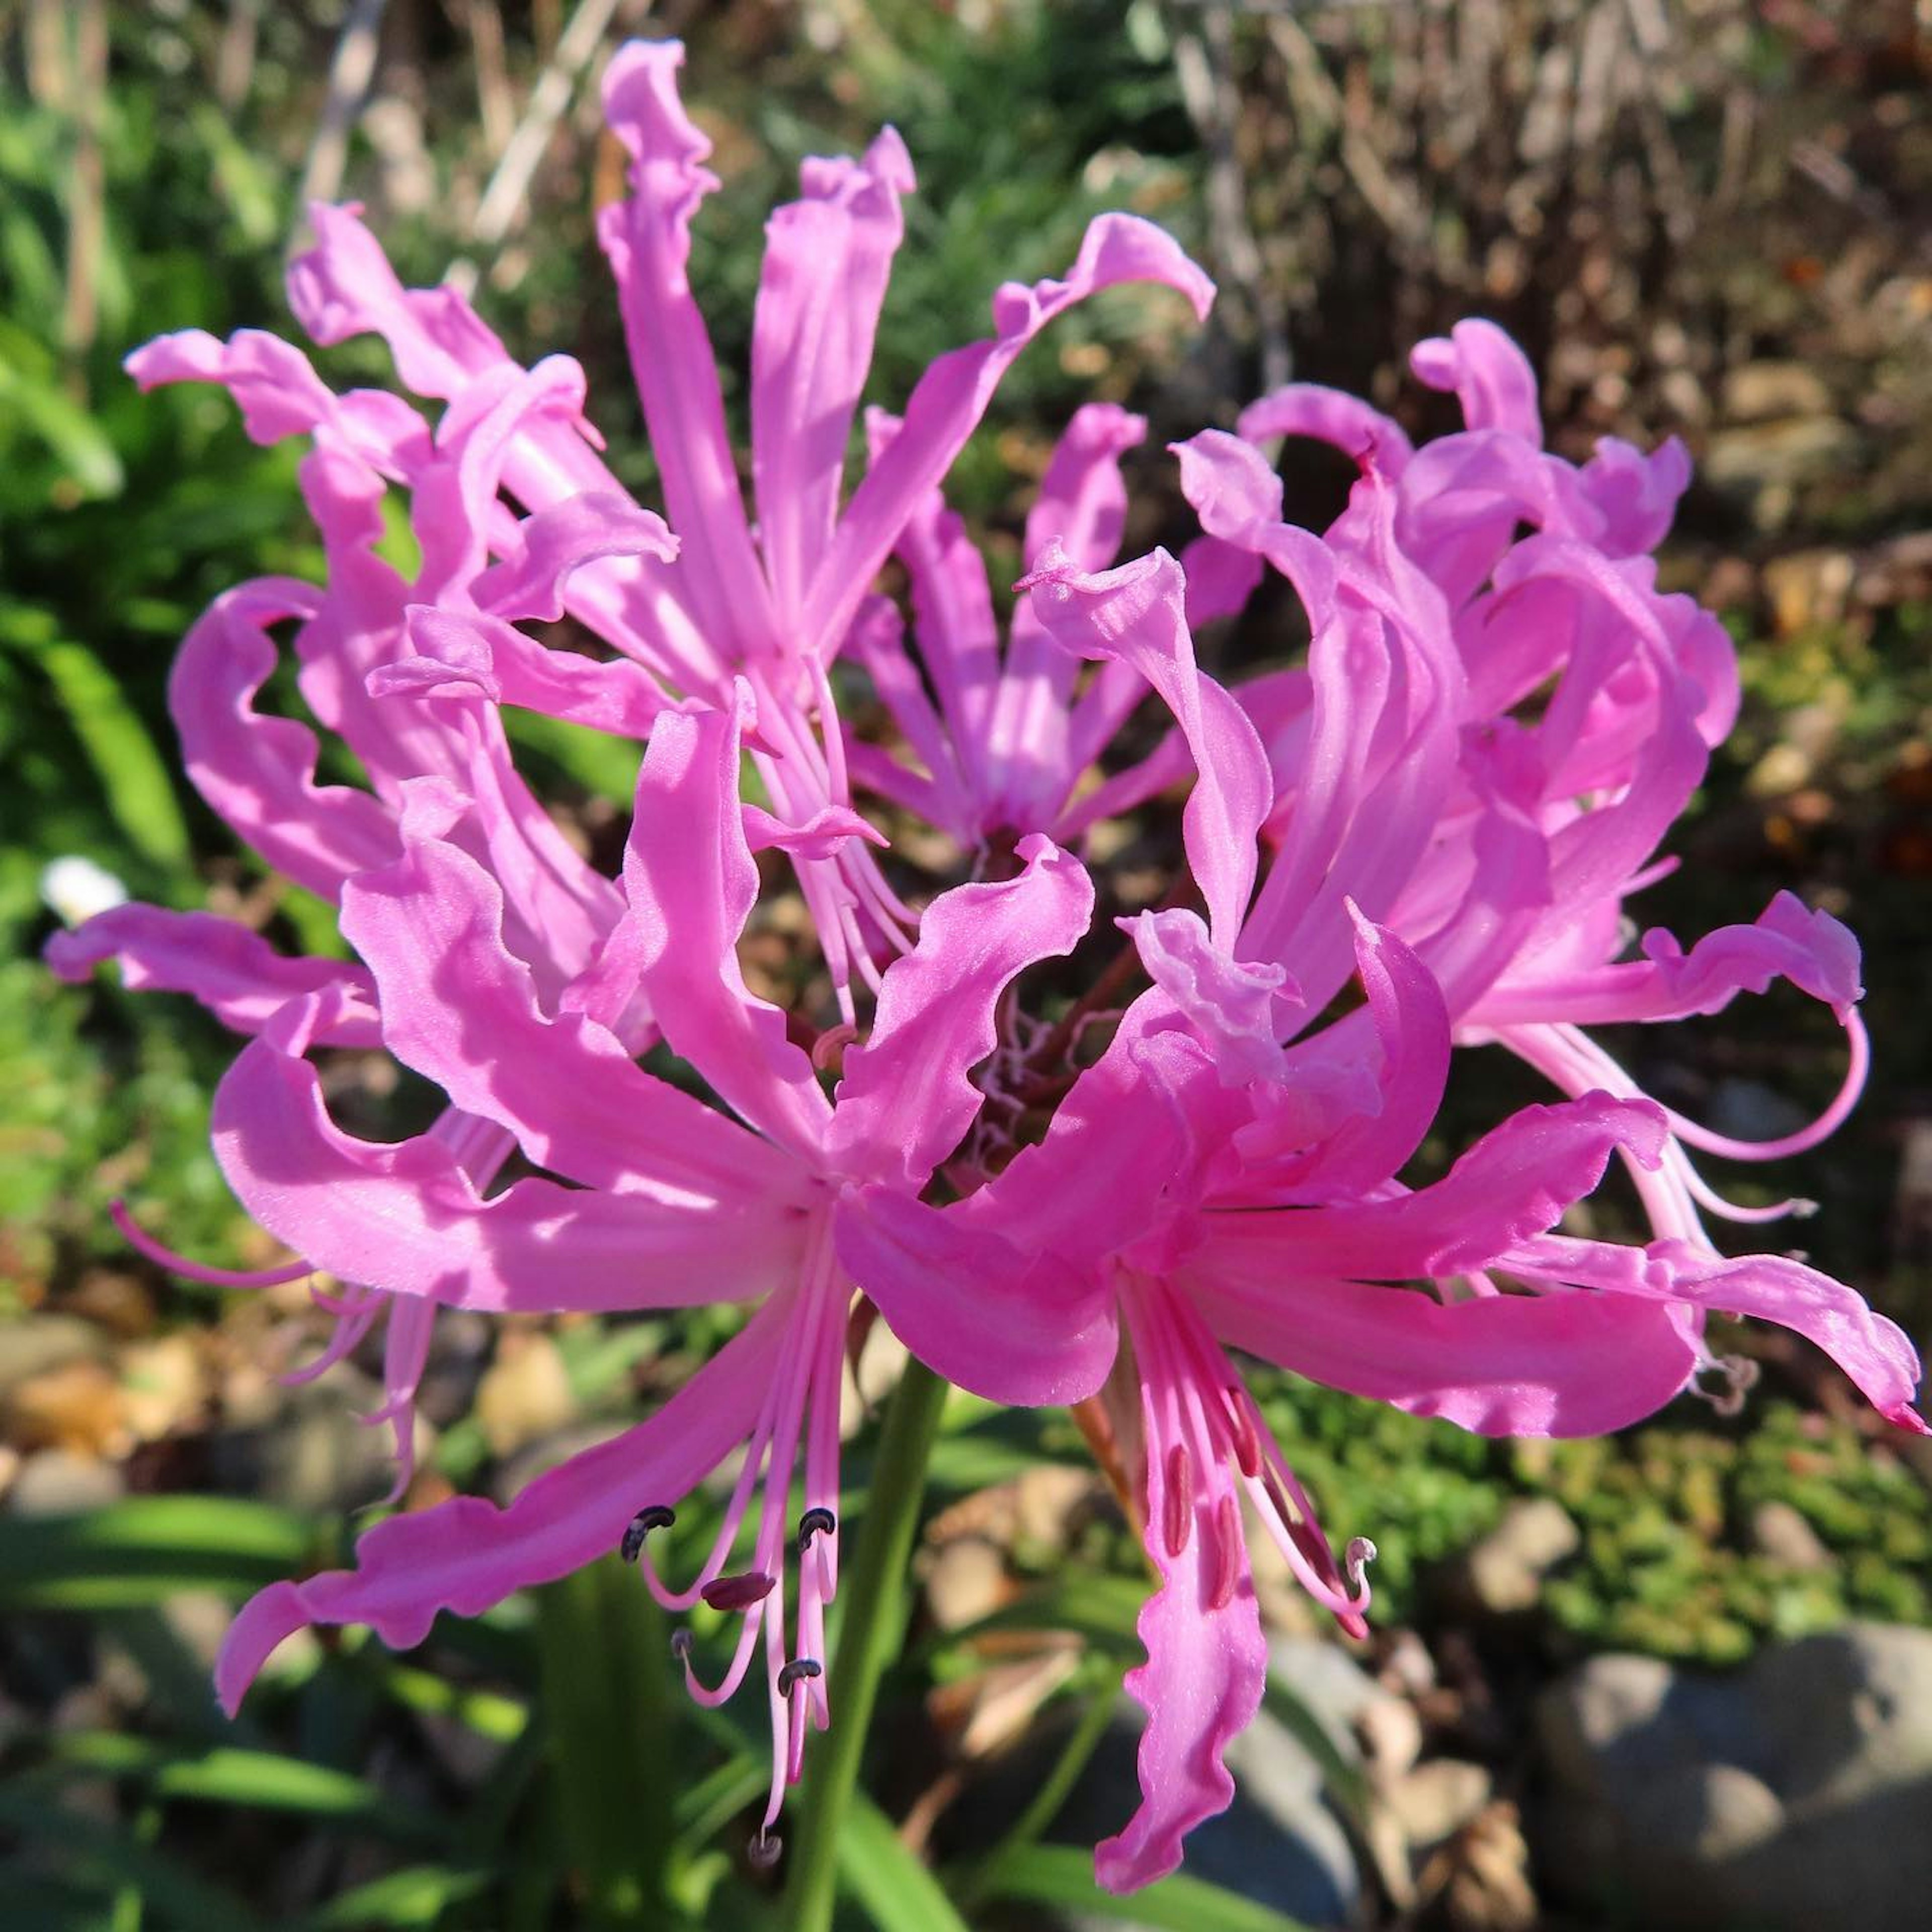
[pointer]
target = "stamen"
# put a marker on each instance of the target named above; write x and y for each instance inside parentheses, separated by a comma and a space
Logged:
(1228, 1553)
(1740, 1374)
(654, 1516)
(763, 1848)
(740, 1592)
(1247, 1444)
(1177, 1506)
(1361, 1553)
(681, 1643)
(798, 1668)
(828, 1050)
(815, 1521)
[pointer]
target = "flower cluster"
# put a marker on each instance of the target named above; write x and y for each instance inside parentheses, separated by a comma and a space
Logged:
(1421, 837)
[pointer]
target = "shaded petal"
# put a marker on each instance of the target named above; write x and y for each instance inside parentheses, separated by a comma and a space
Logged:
(946, 406)
(1331, 416)
(691, 883)
(1412, 1022)
(1135, 614)
(907, 1098)
(457, 655)
(1497, 1364)
(407, 1218)
(1013, 1324)
(560, 540)
(828, 256)
(1230, 1006)
(1512, 1184)
(233, 971)
(258, 772)
(1811, 949)
(467, 1555)
(1490, 375)
(459, 1007)
(1874, 1352)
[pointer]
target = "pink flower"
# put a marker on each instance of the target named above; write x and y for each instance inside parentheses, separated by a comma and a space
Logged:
(670, 1203)
(498, 962)
(1224, 1175)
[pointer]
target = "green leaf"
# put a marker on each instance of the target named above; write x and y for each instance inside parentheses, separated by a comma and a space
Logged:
(110, 1859)
(258, 1781)
(144, 1550)
(603, 1653)
(894, 1885)
(74, 437)
(134, 779)
(418, 1895)
(1063, 1875)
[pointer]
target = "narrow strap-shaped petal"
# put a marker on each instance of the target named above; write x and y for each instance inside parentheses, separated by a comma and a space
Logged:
(1490, 375)
(344, 287)
(467, 1555)
(230, 969)
(692, 882)
(946, 406)
(828, 256)
(1873, 1351)
(1207, 1659)
(647, 239)
(1136, 614)
(1411, 1023)
(959, 638)
(1788, 941)
(405, 1216)
(457, 655)
(1498, 1364)
(1312, 409)
(1013, 1324)
(1232, 1007)
(1512, 1184)
(559, 540)
(459, 1007)
(906, 1099)
(258, 772)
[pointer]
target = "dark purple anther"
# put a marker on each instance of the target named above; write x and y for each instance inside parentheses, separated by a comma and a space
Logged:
(763, 1849)
(799, 1667)
(740, 1592)
(815, 1521)
(656, 1517)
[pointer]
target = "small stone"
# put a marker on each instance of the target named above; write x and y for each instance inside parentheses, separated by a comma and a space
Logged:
(1783, 1535)
(58, 1482)
(1502, 1574)
(78, 1405)
(525, 1394)
(1754, 391)
(1435, 1799)
(31, 1347)
(967, 1581)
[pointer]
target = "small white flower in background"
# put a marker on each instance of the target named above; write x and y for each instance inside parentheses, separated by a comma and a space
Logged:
(76, 888)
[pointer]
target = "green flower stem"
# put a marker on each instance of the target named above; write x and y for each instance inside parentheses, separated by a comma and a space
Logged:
(873, 1600)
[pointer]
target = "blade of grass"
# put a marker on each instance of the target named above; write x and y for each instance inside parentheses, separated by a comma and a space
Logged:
(893, 1884)
(1063, 1875)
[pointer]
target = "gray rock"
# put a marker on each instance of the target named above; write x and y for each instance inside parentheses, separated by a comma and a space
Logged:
(1279, 1843)
(1783, 1535)
(58, 1482)
(313, 1451)
(1501, 1574)
(1794, 1796)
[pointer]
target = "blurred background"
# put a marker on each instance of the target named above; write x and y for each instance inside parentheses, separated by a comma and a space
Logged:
(1682, 1676)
